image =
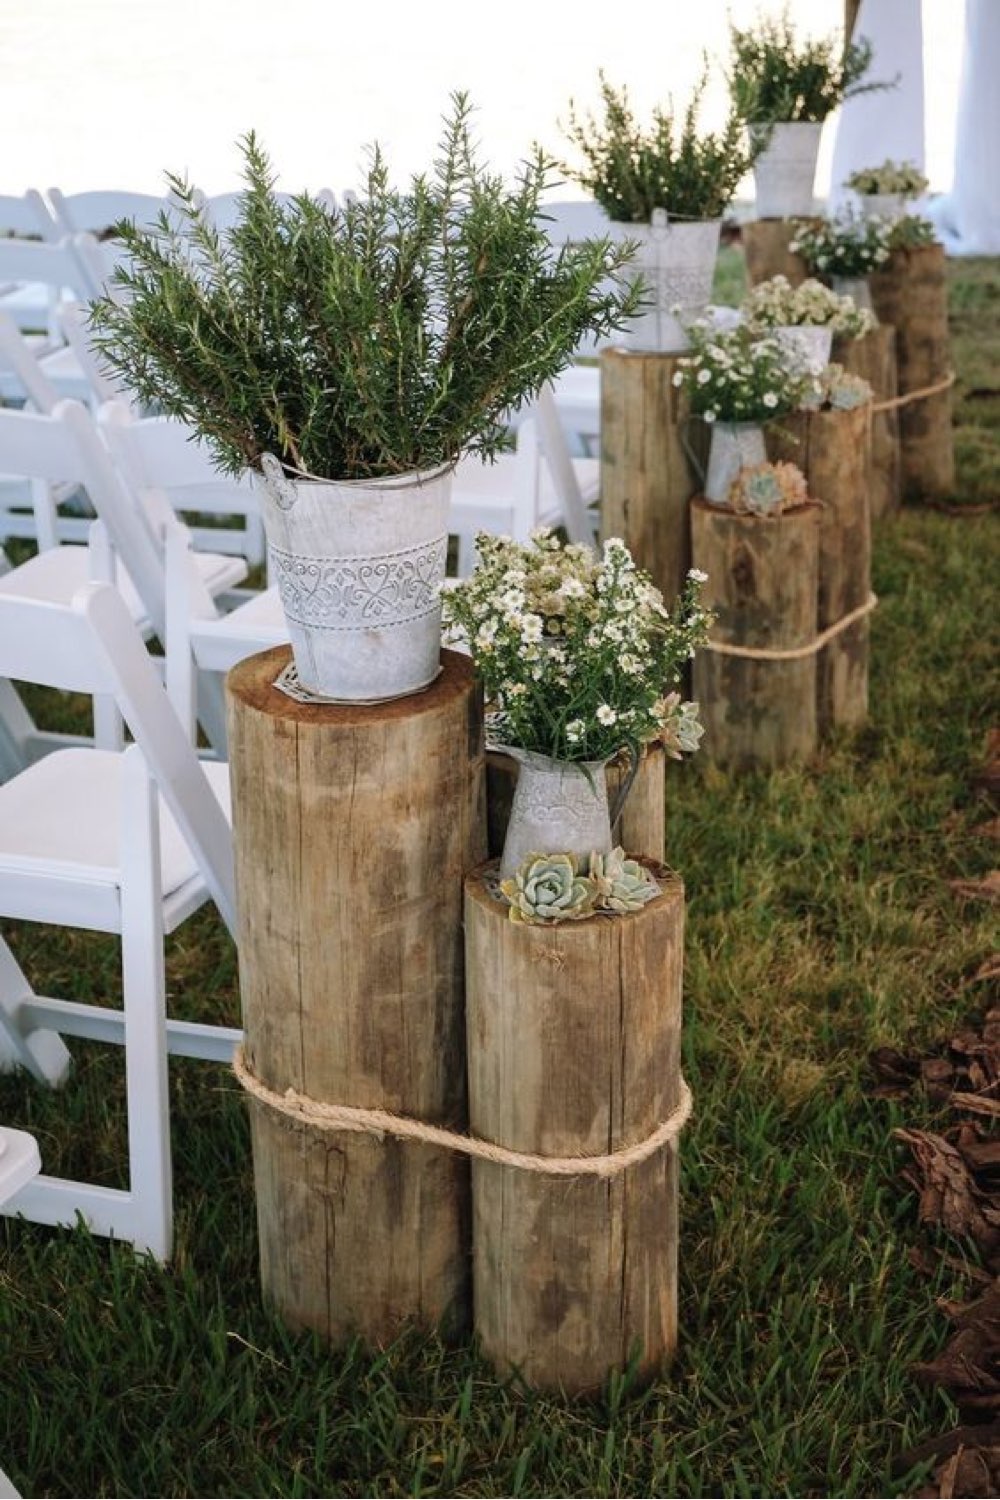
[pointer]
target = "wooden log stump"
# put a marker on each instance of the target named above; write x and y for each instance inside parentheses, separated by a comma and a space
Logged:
(763, 581)
(911, 292)
(765, 245)
(574, 1049)
(354, 828)
(649, 456)
(874, 359)
(833, 449)
(641, 828)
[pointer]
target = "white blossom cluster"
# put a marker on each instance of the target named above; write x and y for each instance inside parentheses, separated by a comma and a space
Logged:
(577, 654)
(846, 245)
(739, 375)
(778, 304)
(891, 177)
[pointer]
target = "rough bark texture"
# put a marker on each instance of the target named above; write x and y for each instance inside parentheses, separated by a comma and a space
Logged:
(574, 1048)
(765, 245)
(911, 293)
(874, 359)
(642, 826)
(763, 578)
(833, 449)
(354, 828)
(648, 474)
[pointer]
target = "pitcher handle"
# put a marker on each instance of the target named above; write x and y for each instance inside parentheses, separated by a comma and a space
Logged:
(618, 806)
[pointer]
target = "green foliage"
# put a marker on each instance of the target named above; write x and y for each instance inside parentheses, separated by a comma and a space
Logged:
(891, 177)
(387, 336)
(633, 169)
(775, 78)
(912, 231)
(846, 245)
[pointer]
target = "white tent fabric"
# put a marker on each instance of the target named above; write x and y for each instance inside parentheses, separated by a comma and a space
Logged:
(889, 123)
(968, 218)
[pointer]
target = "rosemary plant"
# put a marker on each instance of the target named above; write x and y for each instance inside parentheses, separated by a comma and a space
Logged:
(774, 78)
(387, 336)
(633, 169)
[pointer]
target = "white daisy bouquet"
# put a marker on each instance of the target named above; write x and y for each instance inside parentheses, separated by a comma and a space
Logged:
(891, 177)
(842, 246)
(778, 304)
(739, 376)
(577, 654)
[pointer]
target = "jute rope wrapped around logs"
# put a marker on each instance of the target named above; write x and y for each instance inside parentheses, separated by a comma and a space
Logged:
(911, 292)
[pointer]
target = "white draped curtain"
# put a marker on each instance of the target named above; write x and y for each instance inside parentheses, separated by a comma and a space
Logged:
(968, 217)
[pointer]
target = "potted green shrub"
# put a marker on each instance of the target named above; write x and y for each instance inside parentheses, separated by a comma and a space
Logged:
(666, 185)
(347, 358)
(844, 250)
(784, 89)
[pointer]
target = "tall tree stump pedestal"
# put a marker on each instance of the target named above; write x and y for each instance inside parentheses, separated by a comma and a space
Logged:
(354, 829)
(833, 450)
(650, 453)
(763, 582)
(873, 357)
(574, 1050)
(765, 246)
(911, 292)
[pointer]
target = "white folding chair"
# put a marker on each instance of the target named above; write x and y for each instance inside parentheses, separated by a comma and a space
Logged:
(539, 484)
(65, 445)
(128, 842)
(223, 209)
(157, 455)
(56, 267)
(19, 1163)
(26, 217)
(97, 211)
(103, 383)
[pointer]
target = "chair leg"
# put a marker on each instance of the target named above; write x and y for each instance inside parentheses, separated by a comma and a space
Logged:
(42, 1052)
(144, 985)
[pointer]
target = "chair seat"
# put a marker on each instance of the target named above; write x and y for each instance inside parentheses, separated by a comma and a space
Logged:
(19, 1161)
(56, 574)
(478, 489)
(255, 626)
(61, 819)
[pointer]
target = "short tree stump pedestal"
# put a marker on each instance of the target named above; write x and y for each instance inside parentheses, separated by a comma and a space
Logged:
(574, 1049)
(354, 829)
(763, 581)
(873, 357)
(765, 246)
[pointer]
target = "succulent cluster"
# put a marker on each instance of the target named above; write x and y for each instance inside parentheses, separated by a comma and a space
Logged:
(778, 304)
(682, 729)
(552, 888)
(577, 653)
(768, 489)
(836, 390)
(846, 245)
(633, 169)
(737, 375)
(891, 177)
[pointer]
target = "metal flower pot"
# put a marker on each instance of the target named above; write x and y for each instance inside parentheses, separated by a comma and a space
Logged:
(677, 264)
(809, 344)
(358, 566)
(734, 446)
(785, 171)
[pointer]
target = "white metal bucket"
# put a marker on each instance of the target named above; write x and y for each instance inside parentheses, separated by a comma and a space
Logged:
(733, 446)
(809, 344)
(358, 566)
(677, 263)
(785, 171)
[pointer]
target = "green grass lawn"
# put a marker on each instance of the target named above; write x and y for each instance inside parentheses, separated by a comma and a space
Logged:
(821, 924)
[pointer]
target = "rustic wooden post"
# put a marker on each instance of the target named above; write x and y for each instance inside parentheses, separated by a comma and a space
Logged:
(873, 357)
(574, 1049)
(763, 580)
(354, 828)
(911, 292)
(833, 449)
(642, 826)
(765, 245)
(648, 474)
